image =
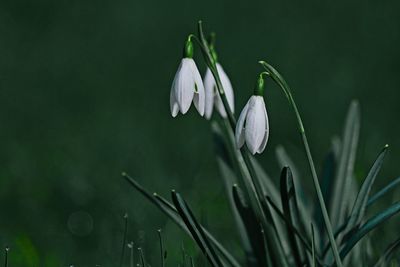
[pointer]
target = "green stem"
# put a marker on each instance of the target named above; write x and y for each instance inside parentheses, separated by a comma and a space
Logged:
(252, 193)
(162, 251)
(251, 181)
(285, 87)
(124, 240)
(6, 257)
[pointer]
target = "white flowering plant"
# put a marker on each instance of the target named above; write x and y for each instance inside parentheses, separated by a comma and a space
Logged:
(277, 225)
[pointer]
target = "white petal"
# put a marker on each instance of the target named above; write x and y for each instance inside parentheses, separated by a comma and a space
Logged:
(209, 88)
(184, 85)
(255, 124)
(226, 84)
(199, 97)
(265, 140)
(173, 105)
(240, 131)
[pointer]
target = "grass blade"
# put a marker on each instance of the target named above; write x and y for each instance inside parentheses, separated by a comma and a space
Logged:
(271, 190)
(268, 186)
(124, 240)
(368, 226)
(327, 179)
(386, 257)
(360, 203)
(229, 179)
(162, 250)
(253, 229)
(131, 258)
(7, 249)
(303, 240)
(340, 194)
(313, 263)
(383, 191)
(303, 207)
(285, 160)
(141, 255)
(289, 204)
(195, 229)
(169, 210)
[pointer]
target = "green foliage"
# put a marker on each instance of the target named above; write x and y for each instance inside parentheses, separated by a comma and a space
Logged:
(273, 222)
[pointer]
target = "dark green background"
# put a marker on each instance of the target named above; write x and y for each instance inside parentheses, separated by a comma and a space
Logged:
(84, 95)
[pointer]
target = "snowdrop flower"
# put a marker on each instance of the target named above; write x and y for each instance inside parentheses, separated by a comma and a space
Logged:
(187, 86)
(212, 96)
(252, 126)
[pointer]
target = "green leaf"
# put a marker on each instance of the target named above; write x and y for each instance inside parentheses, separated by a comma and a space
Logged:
(169, 210)
(314, 259)
(360, 204)
(196, 230)
(368, 226)
(285, 160)
(229, 179)
(172, 213)
(142, 260)
(304, 209)
(383, 191)
(387, 255)
(303, 240)
(253, 229)
(340, 195)
(163, 252)
(268, 186)
(327, 179)
(290, 210)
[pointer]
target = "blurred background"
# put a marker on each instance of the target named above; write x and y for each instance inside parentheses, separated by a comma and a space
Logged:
(84, 95)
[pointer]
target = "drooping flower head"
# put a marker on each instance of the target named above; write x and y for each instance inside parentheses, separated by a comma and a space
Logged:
(252, 127)
(187, 86)
(212, 96)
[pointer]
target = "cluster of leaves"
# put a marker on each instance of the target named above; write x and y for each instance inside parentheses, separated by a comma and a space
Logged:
(281, 225)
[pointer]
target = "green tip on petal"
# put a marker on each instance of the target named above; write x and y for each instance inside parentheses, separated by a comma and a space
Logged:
(188, 49)
(259, 88)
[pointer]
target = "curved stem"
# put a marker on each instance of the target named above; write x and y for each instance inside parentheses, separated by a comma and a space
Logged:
(210, 62)
(274, 74)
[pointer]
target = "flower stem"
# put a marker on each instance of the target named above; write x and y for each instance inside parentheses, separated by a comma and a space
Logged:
(274, 74)
(243, 157)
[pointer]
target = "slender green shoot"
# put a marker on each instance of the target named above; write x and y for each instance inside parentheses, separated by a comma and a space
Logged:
(274, 74)
(124, 239)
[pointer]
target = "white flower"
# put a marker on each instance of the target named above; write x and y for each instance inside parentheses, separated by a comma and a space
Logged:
(187, 87)
(252, 126)
(212, 96)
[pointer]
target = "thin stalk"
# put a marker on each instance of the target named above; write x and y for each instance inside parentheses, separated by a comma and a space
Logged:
(313, 264)
(284, 86)
(302, 239)
(6, 257)
(142, 260)
(124, 240)
(165, 206)
(161, 248)
(131, 259)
